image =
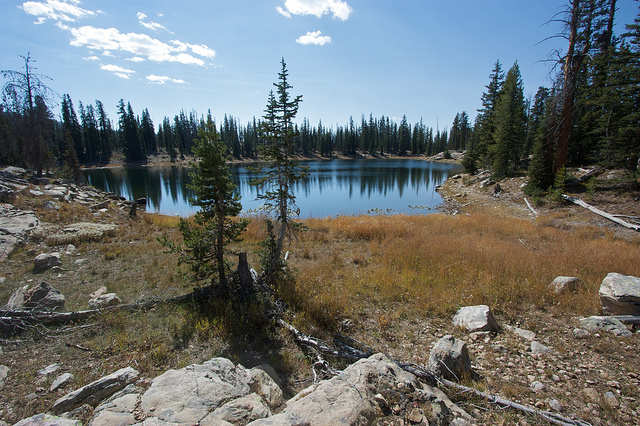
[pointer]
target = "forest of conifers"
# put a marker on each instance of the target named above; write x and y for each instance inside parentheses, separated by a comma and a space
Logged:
(590, 115)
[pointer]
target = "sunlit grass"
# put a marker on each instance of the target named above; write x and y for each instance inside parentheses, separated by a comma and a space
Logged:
(434, 264)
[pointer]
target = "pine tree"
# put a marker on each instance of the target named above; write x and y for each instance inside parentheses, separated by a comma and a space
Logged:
(510, 125)
(282, 171)
(216, 224)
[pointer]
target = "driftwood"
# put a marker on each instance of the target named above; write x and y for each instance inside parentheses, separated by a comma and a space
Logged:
(535, 213)
(505, 403)
(601, 213)
(585, 177)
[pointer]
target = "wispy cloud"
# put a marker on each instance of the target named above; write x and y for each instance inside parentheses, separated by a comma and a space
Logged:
(163, 79)
(313, 37)
(139, 45)
(57, 10)
(150, 24)
(338, 8)
(118, 70)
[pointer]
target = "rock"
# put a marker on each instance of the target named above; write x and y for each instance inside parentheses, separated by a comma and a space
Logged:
(555, 405)
(611, 400)
(561, 285)
(46, 260)
(348, 398)
(449, 358)
(187, 395)
(61, 381)
(581, 333)
(141, 201)
(613, 325)
(529, 335)
(620, 294)
(16, 301)
(591, 394)
(538, 348)
(537, 387)
(99, 292)
(4, 372)
(416, 415)
(475, 318)
(265, 386)
(100, 205)
(48, 420)
(44, 297)
(104, 300)
(49, 369)
(95, 392)
(70, 249)
(239, 411)
(17, 225)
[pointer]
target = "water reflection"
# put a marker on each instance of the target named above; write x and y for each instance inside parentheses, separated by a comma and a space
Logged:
(338, 187)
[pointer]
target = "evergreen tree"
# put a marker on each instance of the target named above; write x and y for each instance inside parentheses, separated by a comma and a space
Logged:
(282, 172)
(129, 134)
(71, 124)
(215, 225)
(106, 133)
(147, 133)
(510, 125)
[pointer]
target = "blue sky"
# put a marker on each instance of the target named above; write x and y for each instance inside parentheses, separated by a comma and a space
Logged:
(424, 59)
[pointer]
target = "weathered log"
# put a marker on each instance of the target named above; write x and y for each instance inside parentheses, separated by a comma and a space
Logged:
(591, 173)
(535, 213)
(601, 213)
(628, 319)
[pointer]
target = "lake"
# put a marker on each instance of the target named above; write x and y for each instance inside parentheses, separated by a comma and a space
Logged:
(332, 188)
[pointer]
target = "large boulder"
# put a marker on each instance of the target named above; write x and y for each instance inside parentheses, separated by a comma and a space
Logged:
(187, 395)
(475, 318)
(48, 420)
(44, 298)
(104, 301)
(449, 358)
(620, 294)
(96, 392)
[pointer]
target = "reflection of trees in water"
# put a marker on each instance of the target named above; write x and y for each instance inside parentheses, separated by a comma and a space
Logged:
(343, 178)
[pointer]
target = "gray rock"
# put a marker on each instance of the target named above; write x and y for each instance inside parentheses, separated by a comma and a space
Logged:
(16, 301)
(613, 325)
(581, 333)
(49, 369)
(118, 410)
(555, 405)
(449, 358)
(348, 398)
(95, 392)
(48, 420)
(265, 386)
(17, 225)
(620, 294)
(487, 182)
(4, 372)
(612, 400)
(475, 318)
(104, 300)
(61, 381)
(526, 334)
(187, 395)
(538, 348)
(561, 285)
(537, 387)
(44, 297)
(46, 260)
(239, 411)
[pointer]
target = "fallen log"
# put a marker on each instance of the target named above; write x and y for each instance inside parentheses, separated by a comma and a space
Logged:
(535, 213)
(591, 173)
(628, 319)
(601, 213)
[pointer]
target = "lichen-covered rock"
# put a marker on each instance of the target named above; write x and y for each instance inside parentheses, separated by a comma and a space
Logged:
(561, 285)
(598, 323)
(43, 297)
(48, 420)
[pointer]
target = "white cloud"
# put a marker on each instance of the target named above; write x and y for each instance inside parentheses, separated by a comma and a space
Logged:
(338, 8)
(91, 58)
(118, 70)
(136, 59)
(313, 37)
(150, 24)
(163, 79)
(57, 10)
(139, 45)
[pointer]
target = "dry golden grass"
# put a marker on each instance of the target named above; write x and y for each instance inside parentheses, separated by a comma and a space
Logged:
(435, 264)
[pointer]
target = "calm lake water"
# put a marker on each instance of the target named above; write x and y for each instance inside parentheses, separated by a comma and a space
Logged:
(333, 187)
